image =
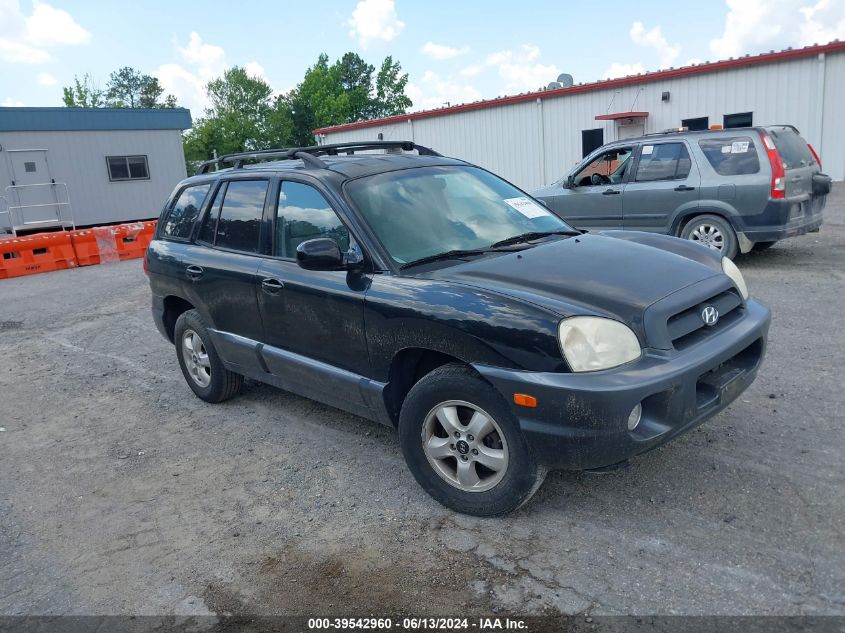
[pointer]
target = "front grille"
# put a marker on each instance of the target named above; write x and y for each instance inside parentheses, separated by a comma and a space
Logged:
(687, 327)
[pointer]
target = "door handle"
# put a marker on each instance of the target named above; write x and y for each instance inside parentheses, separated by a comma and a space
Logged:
(194, 272)
(684, 188)
(796, 178)
(610, 192)
(271, 286)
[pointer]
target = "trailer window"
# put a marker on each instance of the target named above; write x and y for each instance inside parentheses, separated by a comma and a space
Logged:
(127, 168)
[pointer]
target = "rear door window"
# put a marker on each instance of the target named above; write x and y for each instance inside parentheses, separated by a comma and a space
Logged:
(664, 161)
(239, 222)
(793, 149)
(731, 155)
(185, 211)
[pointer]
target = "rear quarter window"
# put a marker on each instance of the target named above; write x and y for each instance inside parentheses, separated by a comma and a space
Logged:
(793, 149)
(185, 211)
(731, 155)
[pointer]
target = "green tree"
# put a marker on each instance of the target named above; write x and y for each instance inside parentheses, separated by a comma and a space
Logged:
(83, 93)
(390, 98)
(242, 116)
(129, 88)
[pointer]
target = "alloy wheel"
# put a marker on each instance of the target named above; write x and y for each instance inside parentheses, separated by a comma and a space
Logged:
(465, 446)
(196, 358)
(708, 235)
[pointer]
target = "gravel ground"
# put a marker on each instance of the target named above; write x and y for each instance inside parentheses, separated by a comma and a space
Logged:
(120, 492)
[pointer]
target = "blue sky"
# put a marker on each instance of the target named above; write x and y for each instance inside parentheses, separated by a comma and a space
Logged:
(454, 51)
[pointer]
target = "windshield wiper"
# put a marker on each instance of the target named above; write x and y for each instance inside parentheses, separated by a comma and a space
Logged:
(531, 235)
(453, 254)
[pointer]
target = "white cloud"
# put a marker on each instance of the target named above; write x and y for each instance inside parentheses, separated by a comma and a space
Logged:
(48, 26)
(24, 39)
(374, 20)
(201, 62)
(622, 70)
(441, 51)
(8, 102)
(754, 26)
(666, 53)
(254, 69)
(45, 79)
(434, 91)
(471, 71)
(521, 70)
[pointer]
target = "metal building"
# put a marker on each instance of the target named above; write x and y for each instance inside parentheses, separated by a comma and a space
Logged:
(72, 167)
(533, 139)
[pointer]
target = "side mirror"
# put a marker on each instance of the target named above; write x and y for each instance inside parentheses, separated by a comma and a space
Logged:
(569, 182)
(319, 254)
(324, 254)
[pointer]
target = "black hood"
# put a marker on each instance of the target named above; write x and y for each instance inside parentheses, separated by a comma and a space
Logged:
(588, 274)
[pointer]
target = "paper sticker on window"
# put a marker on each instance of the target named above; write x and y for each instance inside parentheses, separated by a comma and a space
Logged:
(647, 149)
(726, 149)
(739, 147)
(526, 207)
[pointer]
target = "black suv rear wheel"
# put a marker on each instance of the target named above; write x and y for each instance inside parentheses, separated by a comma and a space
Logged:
(463, 445)
(201, 365)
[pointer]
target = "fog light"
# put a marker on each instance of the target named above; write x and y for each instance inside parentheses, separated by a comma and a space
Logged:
(634, 417)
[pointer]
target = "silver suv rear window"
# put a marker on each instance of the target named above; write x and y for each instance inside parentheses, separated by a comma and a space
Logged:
(731, 155)
(793, 149)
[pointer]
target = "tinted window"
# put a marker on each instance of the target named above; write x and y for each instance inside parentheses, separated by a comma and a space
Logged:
(731, 155)
(209, 223)
(304, 214)
(666, 161)
(184, 212)
(793, 149)
(127, 167)
(240, 216)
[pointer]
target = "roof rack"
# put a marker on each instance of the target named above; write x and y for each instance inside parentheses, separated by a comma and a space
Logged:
(309, 155)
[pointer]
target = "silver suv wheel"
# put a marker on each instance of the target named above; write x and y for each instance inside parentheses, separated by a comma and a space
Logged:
(196, 358)
(465, 446)
(708, 235)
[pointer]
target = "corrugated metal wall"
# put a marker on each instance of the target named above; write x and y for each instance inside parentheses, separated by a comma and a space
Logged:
(79, 159)
(534, 143)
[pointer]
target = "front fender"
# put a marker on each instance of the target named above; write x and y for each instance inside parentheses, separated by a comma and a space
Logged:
(470, 324)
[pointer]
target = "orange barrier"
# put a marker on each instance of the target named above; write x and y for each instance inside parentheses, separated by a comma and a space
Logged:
(33, 254)
(103, 244)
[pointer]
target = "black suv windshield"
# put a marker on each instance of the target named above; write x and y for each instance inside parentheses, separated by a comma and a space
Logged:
(417, 213)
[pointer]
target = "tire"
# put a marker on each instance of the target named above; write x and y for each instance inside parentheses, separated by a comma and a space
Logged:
(714, 232)
(762, 246)
(499, 443)
(209, 380)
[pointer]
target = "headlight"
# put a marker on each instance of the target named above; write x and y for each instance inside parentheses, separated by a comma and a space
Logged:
(593, 343)
(733, 272)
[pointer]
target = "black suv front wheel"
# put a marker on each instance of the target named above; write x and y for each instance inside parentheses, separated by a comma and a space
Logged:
(201, 365)
(463, 445)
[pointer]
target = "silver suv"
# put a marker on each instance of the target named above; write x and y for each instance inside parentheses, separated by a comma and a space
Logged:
(731, 190)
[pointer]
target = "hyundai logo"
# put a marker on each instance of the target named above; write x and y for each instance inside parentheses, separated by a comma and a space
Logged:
(710, 315)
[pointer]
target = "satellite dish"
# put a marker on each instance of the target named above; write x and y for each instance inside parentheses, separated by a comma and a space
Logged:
(553, 84)
(565, 80)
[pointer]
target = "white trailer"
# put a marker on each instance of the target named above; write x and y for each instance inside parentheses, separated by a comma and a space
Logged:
(77, 167)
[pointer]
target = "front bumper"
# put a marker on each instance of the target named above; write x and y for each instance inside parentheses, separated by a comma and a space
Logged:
(580, 421)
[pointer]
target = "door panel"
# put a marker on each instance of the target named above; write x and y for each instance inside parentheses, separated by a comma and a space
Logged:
(318, 315)
(595, 199)
(33, 192)
(666, 181)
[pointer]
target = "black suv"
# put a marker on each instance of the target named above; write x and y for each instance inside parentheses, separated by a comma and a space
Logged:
(430, 295)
